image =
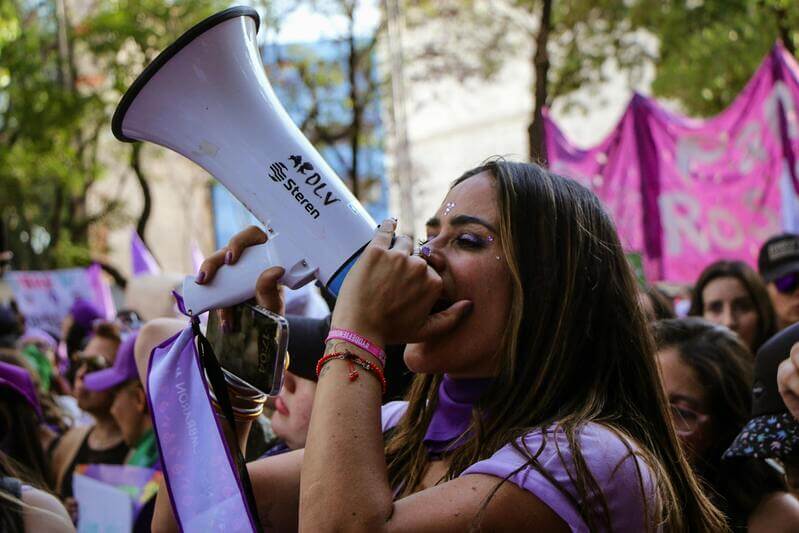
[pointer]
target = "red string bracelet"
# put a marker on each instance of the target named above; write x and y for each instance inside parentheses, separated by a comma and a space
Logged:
(353, 360)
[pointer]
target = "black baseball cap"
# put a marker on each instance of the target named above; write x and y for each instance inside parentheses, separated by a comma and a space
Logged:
(772, 431)
(779, 256)
(307, 345)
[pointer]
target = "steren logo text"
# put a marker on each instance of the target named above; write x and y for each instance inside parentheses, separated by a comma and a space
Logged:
(278, 174)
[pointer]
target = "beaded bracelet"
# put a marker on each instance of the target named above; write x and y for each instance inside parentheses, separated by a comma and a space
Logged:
(357, 340)
(353, 360)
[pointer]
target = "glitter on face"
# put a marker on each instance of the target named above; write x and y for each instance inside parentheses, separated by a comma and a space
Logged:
(490, 238)
(448, 207)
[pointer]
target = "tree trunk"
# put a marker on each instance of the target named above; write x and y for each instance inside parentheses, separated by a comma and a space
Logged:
(144, 217)
(355, 131)
(55, 216)
(65, 69)
(535, 132)
(786, 32)
(119, 279)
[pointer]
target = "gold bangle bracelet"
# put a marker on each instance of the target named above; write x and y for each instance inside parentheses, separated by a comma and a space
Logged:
(246, 418)
(253, 412)
(259, 398)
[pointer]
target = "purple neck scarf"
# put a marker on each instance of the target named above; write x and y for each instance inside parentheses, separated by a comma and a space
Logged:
(453, 414)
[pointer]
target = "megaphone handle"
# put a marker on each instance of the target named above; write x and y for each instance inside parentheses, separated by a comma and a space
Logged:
(233, 284)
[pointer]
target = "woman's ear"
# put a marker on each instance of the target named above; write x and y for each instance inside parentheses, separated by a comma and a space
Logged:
(141, 400)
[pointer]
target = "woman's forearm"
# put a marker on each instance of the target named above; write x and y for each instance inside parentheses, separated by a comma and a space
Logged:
(344, 483)
(163, 519)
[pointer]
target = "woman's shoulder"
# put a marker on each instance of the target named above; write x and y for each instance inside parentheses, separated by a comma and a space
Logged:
(45, 513)
(391, 414)
(598, 443)
(778, 511)
(624, 479)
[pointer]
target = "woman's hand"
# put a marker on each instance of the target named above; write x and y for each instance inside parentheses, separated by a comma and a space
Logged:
(388, 294)
(267, 292)
(788, 381)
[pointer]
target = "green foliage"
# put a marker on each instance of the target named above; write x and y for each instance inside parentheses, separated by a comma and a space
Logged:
(585, 36)
(57, 94)
(710, 49)
(124, 35)
(572, 44)
(46, 131)
(331, 90)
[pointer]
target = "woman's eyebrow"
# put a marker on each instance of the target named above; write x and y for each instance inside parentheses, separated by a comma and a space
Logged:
(433, 222)
(462, 220)
(683, 398)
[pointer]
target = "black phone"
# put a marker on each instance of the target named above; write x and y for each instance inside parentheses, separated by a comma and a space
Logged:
(254, 350)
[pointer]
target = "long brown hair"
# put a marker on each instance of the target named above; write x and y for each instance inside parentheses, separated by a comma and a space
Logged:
(576, 349)
(725, 369)
(755, 288)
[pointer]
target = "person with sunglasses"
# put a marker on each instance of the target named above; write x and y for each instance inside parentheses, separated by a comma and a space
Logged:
(707, 373)
(778, 264)
(101, 442)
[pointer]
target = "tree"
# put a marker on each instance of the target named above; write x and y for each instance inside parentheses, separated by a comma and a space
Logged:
(571, 42)
(122, 37)
(49, 128)
(60, 81)
(331, 89)
(709, 50)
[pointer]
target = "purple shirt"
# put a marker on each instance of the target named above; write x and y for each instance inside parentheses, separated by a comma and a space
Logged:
(606, 456)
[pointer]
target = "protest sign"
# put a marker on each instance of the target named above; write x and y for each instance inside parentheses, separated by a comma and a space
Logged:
(45, 296)
(102, 508)
(685, 192)
(139, 483)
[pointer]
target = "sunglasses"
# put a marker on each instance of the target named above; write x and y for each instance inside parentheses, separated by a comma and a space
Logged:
(686, 420)
(787, 284)
(92, 363)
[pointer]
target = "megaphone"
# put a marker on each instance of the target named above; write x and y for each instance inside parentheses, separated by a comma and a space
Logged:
(207, 98)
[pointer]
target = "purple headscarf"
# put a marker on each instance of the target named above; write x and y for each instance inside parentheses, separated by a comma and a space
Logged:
(17, 380)
(84, 313)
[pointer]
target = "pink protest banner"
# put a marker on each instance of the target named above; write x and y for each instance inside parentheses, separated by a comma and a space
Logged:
(686, 192)
(45, 296)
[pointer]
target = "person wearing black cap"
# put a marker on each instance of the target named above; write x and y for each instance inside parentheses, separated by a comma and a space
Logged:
(772, 431)
(778, 264)
(707, 375)
(294, 403)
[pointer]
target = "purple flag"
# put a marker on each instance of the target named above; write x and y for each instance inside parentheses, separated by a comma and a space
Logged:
(142, 260)
(200, 473)
(102, 292)
(685, 192)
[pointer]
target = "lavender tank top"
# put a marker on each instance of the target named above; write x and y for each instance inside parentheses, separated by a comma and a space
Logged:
(630, 502)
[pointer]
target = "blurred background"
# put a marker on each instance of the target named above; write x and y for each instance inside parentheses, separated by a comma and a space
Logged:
(400, 97)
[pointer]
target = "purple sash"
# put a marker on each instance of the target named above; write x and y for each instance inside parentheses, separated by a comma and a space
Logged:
(201, 475)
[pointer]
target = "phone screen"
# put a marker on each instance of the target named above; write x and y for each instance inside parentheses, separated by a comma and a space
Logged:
(254, 351)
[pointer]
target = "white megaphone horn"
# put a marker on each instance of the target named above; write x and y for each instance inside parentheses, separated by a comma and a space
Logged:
(206, 97)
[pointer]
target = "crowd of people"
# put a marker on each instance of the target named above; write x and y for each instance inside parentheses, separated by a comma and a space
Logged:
(513, 375)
